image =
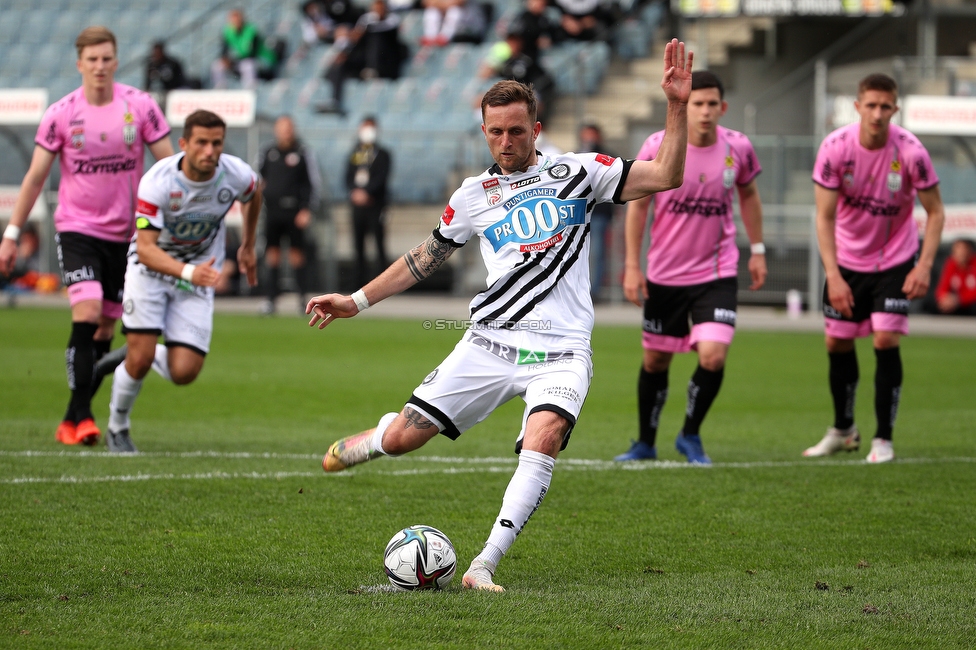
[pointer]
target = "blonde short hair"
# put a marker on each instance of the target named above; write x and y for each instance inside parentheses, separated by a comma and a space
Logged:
(95, 35)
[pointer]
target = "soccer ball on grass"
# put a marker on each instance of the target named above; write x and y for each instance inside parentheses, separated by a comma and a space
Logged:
(420, 557)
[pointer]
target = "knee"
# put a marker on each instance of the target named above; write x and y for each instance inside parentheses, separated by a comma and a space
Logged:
(839, 346)
(886, 340)
(138, 364)
(656, 361)
(184, 376)
(712, 361)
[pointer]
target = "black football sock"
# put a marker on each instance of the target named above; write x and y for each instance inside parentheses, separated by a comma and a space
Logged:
(843, 386)
(101, 349)
(652, 393)
(702, 390)
(301, 279)
(80, 363)
(887, 390)
(272, 282)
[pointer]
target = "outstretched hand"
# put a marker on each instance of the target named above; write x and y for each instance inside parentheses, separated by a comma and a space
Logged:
(327, 308)
(677, 72)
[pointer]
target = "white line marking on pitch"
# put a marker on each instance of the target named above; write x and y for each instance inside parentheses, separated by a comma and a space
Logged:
(474, 466)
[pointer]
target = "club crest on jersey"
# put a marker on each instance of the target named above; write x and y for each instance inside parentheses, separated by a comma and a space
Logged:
(728, 174)
(894, 177)
(128, 129)
(493, 190)
(77, 138)
(175, 201)
(559, 171)
(224, 195)
(894, 182)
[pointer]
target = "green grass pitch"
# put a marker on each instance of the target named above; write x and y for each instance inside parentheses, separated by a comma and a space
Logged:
(226, 533)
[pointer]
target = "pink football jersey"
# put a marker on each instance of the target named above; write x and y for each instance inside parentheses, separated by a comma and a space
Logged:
(693, 234)
(875, 230)
(102, 150)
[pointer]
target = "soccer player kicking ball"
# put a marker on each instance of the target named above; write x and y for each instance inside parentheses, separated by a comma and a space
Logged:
(175, 262)
(867, 175)
(692, 266)
(530, 333)
(100, 131)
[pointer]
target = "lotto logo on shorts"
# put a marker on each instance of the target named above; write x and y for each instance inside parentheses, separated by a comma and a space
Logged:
(725, 316)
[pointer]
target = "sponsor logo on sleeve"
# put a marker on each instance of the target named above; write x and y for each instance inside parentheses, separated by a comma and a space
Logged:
(604, 159)
(146, 208)
(493, 190)
(448, 215)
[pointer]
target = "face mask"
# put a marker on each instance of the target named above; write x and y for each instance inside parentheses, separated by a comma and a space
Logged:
(367, 135)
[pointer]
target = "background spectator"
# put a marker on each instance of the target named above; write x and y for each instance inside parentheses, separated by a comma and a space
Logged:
(956, 293)
(244, 53)
(583, 20)
(367, 176)
(374, 51)
(537, 29)
(163, 72)
(591, 140)
(327, 22)
(441, 18)
(507, 61)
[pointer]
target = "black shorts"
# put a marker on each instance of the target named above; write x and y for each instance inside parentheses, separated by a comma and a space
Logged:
(672, 311)
(283, 224)
(874, 293)
(89, 259)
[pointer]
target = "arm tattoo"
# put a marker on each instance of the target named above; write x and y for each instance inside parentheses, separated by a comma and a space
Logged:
(416, 419)
(427, 257)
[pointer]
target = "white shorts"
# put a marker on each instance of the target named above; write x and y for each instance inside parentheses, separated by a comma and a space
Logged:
(480, 375)
(153, 303)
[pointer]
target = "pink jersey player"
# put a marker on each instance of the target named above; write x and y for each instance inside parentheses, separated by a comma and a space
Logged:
(693, 235)
(875, 230)
(102, 151)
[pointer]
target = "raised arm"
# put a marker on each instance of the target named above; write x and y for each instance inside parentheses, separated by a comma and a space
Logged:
(416, 265)
(667, 169)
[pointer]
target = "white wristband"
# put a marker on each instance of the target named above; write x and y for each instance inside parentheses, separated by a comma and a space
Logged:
(187, 273)
(360, 299)
(758, 249)
(12, 232)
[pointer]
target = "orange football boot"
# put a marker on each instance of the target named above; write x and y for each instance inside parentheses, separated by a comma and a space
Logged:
(66, 433)
(87, 433)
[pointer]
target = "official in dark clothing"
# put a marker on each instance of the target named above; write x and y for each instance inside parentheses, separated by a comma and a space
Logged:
(291, 181)
(367, 175)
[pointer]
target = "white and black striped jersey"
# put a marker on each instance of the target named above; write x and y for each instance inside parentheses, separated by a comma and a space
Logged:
(188, 215)
(534, 234)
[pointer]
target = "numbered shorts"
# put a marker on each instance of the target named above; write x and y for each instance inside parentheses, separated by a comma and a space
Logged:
(879, 303)
(676, 318)
(157, 304)
(92, 269)
(480, 375)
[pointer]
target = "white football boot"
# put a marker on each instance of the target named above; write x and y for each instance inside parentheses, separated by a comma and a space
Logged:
(881, 451)
(835, 440)
(478, 577)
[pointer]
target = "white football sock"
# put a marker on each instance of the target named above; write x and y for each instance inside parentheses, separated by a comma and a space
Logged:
(125, 389)
(380, 430)
(161, 362)
(523, 496)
